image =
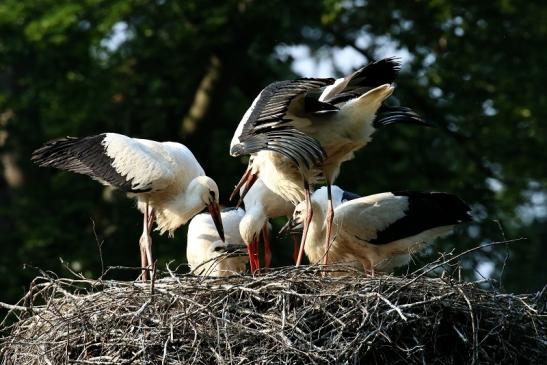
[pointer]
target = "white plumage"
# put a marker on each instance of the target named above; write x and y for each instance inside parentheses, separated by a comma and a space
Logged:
(207, 254)
(298, 132)
(339, 132)
(166, 179)
(381, 231)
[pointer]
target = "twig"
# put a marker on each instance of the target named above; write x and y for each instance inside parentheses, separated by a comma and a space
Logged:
(13, 307)
(288, 315)
(458, 256)
(99, 247)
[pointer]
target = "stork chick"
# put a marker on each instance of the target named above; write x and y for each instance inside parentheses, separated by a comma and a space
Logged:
(207, 254)
(381, 231)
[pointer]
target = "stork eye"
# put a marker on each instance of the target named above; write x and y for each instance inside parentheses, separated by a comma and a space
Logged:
(212, 193)
(219, 248)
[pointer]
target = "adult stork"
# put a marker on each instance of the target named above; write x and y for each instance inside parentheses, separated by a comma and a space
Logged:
(166, 179)
(207, 253)
(261, 204)
(381, 231)
(300, 130)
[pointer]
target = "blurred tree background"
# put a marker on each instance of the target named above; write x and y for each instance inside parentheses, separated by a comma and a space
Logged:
(187, 70)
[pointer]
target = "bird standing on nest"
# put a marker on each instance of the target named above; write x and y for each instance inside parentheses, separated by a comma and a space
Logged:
(166, 179)
(207, 254)
(300, 131)
(381, 231)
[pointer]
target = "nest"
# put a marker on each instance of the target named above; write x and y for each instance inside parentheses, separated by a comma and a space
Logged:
(289, 315)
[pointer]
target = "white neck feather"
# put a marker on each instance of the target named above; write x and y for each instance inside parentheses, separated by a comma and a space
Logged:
(252, 223)
(180, 210)
(315, 245)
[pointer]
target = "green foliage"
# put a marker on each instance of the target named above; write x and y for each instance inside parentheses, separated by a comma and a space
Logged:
(476, 69)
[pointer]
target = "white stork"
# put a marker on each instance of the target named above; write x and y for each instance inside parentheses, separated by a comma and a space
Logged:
(261, 204)
(381, 231)
(301, 129)
(165, 178)
(207, 254)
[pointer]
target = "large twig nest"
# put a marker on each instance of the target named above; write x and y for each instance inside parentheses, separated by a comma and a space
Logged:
(286, 316)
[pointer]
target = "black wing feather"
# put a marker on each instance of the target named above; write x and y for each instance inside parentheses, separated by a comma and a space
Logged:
(374, 74)
(268, 128)
(388, 115)
(86, 156)
(275, 99)
(426, 210)
(347, 196)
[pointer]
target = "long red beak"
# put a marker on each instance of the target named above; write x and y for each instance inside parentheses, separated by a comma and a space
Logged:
(252, 250)
(214, 210)
(251, 179)
(240, 183)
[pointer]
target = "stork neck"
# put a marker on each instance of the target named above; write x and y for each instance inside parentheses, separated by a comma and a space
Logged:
(317, 229)
(254, 220)
(190, 202)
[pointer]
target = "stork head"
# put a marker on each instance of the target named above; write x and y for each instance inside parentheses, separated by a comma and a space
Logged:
(319, 201)
(206, 190)
(220, 258)
(226, 249)
(296, 223)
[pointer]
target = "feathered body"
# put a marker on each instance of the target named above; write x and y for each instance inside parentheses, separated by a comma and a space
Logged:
(166, 175)
(261, 204)
(381, 231)
(207, 254)
(302, 129)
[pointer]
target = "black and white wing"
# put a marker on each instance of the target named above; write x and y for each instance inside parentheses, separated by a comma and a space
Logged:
(387, 217)
(129, 164)
(371, 76)
(267, 123)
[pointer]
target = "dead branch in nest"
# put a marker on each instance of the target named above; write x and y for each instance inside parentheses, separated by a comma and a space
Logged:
(289, 315)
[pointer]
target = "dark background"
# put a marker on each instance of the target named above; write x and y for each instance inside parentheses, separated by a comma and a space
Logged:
(187, 70)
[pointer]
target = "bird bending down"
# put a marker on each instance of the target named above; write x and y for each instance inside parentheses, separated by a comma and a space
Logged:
(207, 254)
(300, 131)
(261, 204)
(166, 179)
(381, 231)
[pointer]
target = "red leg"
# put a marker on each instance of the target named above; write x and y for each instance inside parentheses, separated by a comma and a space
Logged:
(329, 219)
(267, 250)
(144, 272)
(145, 243)
(309, 215)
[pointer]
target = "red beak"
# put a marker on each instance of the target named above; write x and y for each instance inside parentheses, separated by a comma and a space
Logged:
(254, 262)
(249, 182)
(240, 183)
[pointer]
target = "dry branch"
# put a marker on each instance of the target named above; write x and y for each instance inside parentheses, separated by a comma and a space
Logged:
(286, 316)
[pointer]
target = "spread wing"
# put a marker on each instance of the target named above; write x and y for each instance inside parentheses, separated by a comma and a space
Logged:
(125, 163)
(267, 123)
(366, 78)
